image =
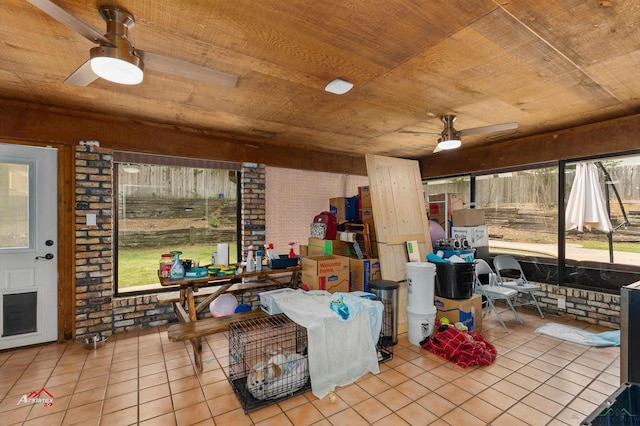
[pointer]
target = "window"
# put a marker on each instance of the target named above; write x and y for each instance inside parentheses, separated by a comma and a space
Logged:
(14, 209)
(602, 248)
(521, 211)
(167, 204)
(523, 218)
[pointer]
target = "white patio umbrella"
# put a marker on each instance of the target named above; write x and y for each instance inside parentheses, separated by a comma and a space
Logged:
(586, 205)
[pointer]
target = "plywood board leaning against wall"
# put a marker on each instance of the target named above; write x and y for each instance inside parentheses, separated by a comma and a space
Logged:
(399, 215)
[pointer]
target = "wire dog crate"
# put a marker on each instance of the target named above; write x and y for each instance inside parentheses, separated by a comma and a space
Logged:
(385, 343)
(267, 360)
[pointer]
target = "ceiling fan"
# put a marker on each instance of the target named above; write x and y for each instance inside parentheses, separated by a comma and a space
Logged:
(115, 59)
(450, 138)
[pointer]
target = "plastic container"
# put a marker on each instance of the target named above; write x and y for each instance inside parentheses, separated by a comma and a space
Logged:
(258, 260)
(455, 280)
(420, 286)
(386, 290)
(284, 261)
(250, 260)
(165, 265)
(421, 325)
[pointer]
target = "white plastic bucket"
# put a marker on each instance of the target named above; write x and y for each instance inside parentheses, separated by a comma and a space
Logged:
(420, 286)
(420, 325)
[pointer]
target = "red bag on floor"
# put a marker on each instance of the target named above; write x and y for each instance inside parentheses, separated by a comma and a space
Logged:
(466, 349)
(332, 224)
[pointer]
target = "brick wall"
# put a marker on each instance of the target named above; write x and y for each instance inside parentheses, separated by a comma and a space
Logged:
(253, 206)
(98, 311)
(583, 305)
(94, 261)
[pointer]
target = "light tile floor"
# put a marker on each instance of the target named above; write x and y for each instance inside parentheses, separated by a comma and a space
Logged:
(142, 378)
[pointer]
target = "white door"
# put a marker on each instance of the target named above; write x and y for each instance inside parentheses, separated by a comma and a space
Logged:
(28, 245)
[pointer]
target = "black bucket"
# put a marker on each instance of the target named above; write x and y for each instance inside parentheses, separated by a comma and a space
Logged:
(455, 280)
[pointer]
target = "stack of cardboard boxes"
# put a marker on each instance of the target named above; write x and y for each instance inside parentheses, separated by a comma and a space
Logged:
(470, 225)
(333, 265)
(447, 209)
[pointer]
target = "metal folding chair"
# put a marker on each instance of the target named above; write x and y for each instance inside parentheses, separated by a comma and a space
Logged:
(503, 263)
(493, 291)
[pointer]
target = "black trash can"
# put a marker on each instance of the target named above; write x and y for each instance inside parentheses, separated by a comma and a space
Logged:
(455, 280)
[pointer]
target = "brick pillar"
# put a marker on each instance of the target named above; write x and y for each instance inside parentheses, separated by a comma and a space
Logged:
(94, 260)
(253, 206)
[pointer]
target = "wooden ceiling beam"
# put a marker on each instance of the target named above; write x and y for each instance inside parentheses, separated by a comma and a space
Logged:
(604, 138)
(21, 121)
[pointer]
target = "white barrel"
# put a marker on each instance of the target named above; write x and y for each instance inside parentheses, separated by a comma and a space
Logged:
(420, 325)
(421, 278)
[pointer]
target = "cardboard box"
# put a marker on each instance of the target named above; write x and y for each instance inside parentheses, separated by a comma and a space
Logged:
(303, 249)
(319, 247)
(362, 272)
(468, 217)
(330, 273)
(476, 236)
(366, 214)
(466, 311)
(345, 209)
(437, 203)
(364, 197)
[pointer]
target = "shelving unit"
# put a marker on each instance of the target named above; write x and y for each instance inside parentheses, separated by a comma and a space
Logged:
(444, 202)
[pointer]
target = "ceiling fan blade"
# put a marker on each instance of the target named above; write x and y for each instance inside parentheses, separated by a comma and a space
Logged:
(186, 69)
(489, 129)
(419, 133)
(83, 76)
(64, 17)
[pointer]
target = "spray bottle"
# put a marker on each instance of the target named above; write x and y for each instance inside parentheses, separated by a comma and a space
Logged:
(292, 253)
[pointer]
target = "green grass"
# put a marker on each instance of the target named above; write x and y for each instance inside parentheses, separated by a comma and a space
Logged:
(603, 245)
(140, 266)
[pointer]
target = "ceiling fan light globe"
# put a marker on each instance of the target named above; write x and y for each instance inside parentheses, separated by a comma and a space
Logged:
(107, 63)
(450, 144)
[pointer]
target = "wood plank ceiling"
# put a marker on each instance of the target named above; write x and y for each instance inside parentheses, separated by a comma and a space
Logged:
(546, 64)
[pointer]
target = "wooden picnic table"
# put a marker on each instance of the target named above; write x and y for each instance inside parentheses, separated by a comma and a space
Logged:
(193, 329)
(186, 308)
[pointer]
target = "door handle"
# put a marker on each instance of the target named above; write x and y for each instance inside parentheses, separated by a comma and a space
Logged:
(47, 256)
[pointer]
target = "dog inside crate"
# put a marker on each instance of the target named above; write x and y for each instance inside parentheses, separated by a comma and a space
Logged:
(283, 374)
(270, 356)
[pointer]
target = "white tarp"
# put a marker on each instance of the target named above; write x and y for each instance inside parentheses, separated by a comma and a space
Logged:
(586, 206)
(340, 352)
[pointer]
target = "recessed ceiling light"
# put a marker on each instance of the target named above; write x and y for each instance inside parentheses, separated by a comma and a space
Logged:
(338, 86)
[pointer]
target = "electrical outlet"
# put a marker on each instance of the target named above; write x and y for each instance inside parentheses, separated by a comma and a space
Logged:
(562, 303)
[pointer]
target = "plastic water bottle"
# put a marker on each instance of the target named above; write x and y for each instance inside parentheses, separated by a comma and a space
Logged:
(250, 260)
(258, 260)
